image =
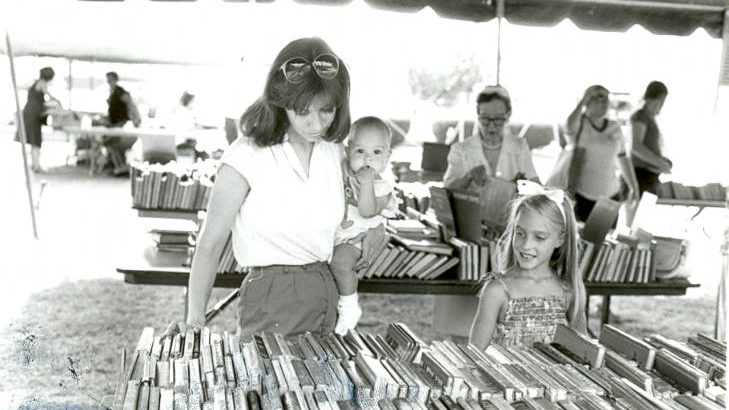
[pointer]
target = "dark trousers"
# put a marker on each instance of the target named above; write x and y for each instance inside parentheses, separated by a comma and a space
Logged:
(288, 300)
(583, 206)
(647, 180)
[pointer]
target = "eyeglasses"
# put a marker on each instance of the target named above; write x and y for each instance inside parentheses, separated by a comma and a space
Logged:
(600, 97)
(497, 121)
(296, 69)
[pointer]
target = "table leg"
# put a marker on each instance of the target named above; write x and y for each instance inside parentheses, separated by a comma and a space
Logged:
(222, 304)
(185, 292)
(605, 310)
(701, 208)
(587, 316)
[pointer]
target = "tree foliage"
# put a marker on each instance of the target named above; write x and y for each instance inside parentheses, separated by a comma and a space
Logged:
(443, 84)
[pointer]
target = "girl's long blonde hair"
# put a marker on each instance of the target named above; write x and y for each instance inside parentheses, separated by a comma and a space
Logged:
(564, 259)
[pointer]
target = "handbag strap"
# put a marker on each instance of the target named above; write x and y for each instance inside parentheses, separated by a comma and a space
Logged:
(579, 129)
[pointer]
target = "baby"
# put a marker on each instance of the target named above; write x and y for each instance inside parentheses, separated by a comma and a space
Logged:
(368, 200)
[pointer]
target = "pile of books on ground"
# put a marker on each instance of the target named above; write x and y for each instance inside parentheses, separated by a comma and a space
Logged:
(619, 259)
(172, 186)
(709, 192)
(398, 370)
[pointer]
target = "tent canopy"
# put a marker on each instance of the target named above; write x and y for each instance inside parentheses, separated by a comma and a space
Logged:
(676, 17)
(219, 31)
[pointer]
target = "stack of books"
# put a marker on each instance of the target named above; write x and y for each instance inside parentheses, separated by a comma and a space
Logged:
(398, 370)
(620, 260)
(411, 258)
(172, 186)
(709, 192)
(173, 240)
(176, 235)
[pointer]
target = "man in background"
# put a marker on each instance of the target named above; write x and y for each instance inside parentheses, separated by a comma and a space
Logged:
(121, 110)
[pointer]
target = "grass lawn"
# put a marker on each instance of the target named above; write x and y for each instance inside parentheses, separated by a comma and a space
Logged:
(64, 350)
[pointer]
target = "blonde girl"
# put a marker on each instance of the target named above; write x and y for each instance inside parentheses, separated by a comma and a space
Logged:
(537, 285)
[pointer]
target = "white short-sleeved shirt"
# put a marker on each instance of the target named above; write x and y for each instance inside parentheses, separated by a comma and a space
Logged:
(287, 218)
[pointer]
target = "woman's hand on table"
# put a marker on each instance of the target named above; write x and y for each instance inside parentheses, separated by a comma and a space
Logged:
(180, 326)
(374, 241)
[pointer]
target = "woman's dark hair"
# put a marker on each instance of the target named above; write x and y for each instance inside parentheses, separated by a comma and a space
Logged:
(487, 95)
(47, 73)
(265, 120)
(654, 90)
(186, 98)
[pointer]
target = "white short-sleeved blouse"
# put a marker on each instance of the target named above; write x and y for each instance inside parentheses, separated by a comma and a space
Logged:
(288, 218)
(514, 158)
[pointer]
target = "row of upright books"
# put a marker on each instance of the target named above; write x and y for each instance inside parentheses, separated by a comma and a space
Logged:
(398, 370)
(476, 258)
(172, 186)
(619, 260)
(227, 262)
(675, 190)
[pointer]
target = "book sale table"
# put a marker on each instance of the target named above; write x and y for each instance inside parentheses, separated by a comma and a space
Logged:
(398, 370)
(699, 203)
(151, 270)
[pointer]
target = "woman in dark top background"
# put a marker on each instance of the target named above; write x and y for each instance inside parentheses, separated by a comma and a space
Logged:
(646, 154)
(33, 114)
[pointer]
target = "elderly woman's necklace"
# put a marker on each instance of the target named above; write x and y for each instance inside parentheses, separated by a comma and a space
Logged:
(492, 147)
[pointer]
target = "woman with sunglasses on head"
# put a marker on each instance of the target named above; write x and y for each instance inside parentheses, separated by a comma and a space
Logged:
(604, 152)
(647, 140)
(494, 152)
(280, 188)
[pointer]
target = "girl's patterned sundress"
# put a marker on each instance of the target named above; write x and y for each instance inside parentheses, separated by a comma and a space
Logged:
(531, 319)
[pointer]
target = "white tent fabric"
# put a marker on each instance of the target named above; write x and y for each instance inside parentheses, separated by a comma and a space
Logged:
(202, 32)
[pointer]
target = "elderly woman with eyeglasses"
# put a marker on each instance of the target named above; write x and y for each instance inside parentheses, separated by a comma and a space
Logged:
(279, 188)
(494, 151)
(604, 152)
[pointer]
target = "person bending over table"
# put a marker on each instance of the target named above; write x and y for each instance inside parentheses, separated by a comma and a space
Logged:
(34, 115)
(647, 139)
(494, 152)
(279, 187)
(604, 152)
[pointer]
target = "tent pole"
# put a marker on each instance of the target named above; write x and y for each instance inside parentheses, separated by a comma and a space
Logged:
(70, 81)
(21, 132)
(724, 63)
(500, 17)
(722, 295)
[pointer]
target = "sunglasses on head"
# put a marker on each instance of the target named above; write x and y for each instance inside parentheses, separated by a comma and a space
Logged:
(296, 69)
